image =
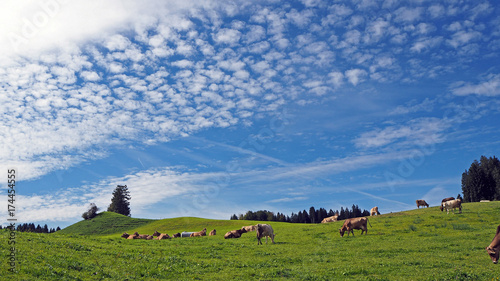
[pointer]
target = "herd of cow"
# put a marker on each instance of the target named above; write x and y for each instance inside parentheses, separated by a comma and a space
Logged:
(446, 204)
(265, 230)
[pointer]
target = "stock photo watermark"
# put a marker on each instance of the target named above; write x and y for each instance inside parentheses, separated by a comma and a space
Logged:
(12, 220)
(417, 157)
(31, 26)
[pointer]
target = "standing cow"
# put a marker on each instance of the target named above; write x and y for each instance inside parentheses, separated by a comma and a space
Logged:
(494, 248)
(452, 204)
(422, 203)
(444, 200)
(264, 230)
(354, 223)
(374, 211)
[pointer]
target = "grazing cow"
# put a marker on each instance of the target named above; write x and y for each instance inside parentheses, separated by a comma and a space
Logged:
(452, 204)
(249, 228)
(330, 219)
(494, 248)
(354, 223)
(421, 202)
(374, 211)
(177, 235)
(212, 233)
(264, 230)
(444, 200)
(199, 233)
(234, 233)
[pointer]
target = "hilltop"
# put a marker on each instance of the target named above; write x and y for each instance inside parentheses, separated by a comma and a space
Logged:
(104, 223)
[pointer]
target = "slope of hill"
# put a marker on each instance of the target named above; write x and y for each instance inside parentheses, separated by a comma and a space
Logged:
(420, 244)
(104, 223)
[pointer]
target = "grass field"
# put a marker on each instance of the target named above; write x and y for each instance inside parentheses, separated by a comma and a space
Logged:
(421, 244)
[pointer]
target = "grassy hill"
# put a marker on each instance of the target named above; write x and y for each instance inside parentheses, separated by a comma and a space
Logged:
(421, 244)
(105, 223)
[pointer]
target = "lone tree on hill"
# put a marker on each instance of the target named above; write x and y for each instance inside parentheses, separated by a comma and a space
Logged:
(120, 202)
(91, 212)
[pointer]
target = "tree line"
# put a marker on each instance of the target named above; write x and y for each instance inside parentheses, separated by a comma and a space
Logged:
(313, 216)
(30, 227)
(482, 180)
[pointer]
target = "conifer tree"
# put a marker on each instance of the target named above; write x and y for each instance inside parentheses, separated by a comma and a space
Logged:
(120, 202)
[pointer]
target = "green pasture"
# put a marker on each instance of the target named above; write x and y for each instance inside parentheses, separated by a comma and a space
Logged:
(421, 244)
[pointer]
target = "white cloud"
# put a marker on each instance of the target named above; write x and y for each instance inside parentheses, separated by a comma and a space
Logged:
(32, 27)
(462, 37)
(405, 14)
(422, 132)
(90, 75)
(355, 76)
(288, 199)
(227, 36)
(489, 87)
(336, 78)
(425, 44)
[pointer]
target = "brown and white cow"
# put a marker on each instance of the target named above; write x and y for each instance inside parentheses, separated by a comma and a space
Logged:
(212, 233)
(452, 204)
(354, 223)
(374, 211)
(421, 202)
(234, 233)
(494, 248)
(330, 219)
(199, 233)
(444, 200)
(264, 230)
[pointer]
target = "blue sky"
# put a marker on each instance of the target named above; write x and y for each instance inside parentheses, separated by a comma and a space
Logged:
(215, 108)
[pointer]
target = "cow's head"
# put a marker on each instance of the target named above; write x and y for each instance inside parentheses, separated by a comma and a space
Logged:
(156, 233)
(342, 231)
(441, 207)
(125, 235)
(494, 253)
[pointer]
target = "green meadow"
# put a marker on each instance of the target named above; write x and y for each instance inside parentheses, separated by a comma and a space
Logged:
(421, 244)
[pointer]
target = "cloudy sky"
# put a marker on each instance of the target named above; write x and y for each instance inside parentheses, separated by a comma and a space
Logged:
(213, 108)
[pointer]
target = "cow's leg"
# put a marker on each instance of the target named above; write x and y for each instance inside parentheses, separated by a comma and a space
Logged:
(272, 238)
